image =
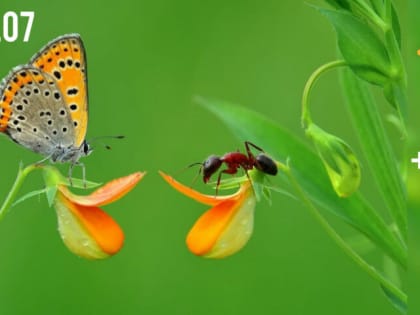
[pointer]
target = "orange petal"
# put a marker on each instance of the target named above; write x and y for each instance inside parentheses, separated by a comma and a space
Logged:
(87, 231)
(193, 194)
(224, 229)
(106, 194)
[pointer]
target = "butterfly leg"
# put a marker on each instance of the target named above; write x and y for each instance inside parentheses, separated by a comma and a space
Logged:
(71, 174)
(43, 160)
(83, 173)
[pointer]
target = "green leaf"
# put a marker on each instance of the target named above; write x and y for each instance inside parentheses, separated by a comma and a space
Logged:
(80, 183)
(267, 194)
(309, 171)
(378, 6)
(396, 26)
(29, 195)
(399, 304)
(376, 147)
(51, 191)
(361, 47)
(394, 93)
(339, 4)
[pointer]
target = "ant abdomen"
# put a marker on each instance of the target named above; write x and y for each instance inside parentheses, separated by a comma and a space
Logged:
(266, 164)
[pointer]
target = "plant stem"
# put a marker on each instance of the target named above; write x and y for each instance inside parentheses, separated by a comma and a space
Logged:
(20, 178)
(371, 271)
(306, 116)
(370, 14)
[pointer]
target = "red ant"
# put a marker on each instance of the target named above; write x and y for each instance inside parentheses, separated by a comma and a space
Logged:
(235, 160)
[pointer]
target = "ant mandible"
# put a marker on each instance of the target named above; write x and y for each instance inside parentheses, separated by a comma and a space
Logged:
(235, 160)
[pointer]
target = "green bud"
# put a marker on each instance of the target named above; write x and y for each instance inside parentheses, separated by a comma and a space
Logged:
(339, 160)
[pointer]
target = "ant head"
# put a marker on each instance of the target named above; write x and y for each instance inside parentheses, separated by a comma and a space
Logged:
(210, 166)
(266, 164)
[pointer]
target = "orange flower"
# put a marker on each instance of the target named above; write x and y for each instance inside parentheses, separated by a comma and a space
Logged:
(85, 229)
(226, 227)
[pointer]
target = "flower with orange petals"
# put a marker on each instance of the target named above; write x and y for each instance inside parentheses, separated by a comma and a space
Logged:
(86, 230)
(226, 227)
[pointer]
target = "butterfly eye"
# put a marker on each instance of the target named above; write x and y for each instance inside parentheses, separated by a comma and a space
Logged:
(86, 148)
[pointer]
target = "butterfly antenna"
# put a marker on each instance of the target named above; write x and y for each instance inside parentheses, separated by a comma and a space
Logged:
(106, 146)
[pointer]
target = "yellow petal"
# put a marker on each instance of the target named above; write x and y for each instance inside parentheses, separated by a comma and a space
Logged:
(226, 228)
(106, 194)
(87, 231)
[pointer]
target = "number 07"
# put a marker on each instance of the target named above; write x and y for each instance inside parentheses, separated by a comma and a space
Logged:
(11, 25)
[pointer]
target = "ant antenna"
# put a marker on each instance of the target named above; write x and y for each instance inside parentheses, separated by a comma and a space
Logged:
(199, 171)
(189, 166)
(186, 167)
(194, 164)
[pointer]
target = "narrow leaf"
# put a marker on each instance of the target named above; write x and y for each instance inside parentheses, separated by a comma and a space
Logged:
(361, 47)
(378, 6)
(399, 304)
(339, 4)
(376, 147)
(396, 26)
(51, 191)
(80, 183)
(29, 195)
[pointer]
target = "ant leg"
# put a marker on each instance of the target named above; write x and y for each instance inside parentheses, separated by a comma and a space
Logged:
(248, 150)
(226, 171)
(218, 182)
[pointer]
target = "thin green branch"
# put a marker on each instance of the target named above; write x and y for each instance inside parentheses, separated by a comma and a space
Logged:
(306, 116)
(371, 271)
(11, 196)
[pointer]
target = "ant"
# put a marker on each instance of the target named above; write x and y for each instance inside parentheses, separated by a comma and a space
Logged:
(235, 160)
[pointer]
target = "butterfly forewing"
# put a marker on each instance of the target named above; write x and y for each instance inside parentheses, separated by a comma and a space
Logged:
(34, 113)
(64, 59)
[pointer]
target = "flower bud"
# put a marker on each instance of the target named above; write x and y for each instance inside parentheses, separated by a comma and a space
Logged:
(339, 160)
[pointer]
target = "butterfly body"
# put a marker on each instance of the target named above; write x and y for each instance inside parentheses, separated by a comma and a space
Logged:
(43, 104)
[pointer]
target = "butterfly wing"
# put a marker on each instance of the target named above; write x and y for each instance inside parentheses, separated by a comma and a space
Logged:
(33, 111)
(64, 59)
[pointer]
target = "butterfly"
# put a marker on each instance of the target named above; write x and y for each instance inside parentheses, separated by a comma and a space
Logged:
(44, 104)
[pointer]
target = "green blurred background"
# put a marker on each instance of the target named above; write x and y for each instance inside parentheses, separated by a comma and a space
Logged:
(414, 173)
(147, 59)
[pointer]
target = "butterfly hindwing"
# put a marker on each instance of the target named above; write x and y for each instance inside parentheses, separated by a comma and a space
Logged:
(34, 113)
(64, 59)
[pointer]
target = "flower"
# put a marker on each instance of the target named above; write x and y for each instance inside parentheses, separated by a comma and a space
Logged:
(86, 230)
(226, 227)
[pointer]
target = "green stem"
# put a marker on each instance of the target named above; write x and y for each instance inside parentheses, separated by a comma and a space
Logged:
(371, 271)
(20, 178)
(370, 14)
(306, 116)
(391, 44)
